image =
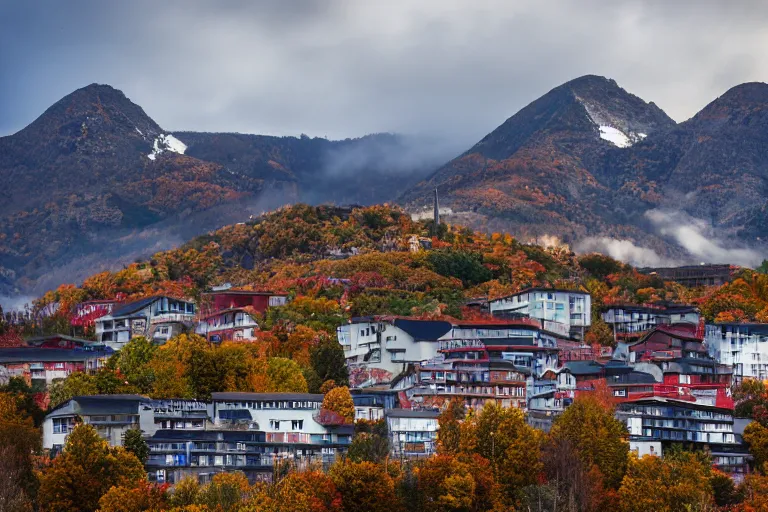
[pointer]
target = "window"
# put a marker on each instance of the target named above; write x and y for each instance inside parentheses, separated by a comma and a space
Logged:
(297, 424)
(218, 460)
(60, 425)
(274, 424)
(620, 392)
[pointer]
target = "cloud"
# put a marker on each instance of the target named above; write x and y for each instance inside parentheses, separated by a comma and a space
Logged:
(699, 239)
(344, 68)
(695, 236)
(624, 250)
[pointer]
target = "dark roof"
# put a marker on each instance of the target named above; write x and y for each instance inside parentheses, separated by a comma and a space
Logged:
(89, 405)
(583, 367)
(255, 397)
(424, 329)
(752, 328)
(42, 339)
(49, 355)
(133, 307)
(409, 413)
(632, 377)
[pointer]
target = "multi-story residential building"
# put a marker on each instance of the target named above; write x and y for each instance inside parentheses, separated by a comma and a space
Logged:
(370, 404)
(379, 349)
(630, 321)
(742, 346)
(412, 433)
(248, 432)
(566, 312)
(229, 298)
(157, 318)
(482, 362)
(233, 431)
(111, 415)
(39, 367)
(694, 275)
(233, 324)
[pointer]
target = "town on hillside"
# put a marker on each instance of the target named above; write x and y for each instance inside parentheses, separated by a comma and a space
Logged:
(225, 378)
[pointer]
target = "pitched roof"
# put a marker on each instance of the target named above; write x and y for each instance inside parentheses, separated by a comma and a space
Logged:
(133, 307)
(423, 329)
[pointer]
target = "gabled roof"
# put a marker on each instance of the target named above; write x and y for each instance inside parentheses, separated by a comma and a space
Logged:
(424, 329)
(133, 307)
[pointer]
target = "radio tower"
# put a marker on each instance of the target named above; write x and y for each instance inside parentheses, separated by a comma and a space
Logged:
(436, 215)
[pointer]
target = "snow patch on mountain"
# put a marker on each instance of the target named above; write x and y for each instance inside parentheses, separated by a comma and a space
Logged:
(612, 128)
(166, 142)
(614, 136)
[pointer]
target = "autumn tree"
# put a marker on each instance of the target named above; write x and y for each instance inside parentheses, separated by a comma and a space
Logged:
(299, 491)
(284, 376)
(600, 333)
(449, 433)
(19, 441)
(226, 492)
(339, 400)
(448, 483)
(364, 486)
(756, 437)
(328, 362)
(596, 435)
(139, 497)
(370, 442)
(185, 492)
(76, 384)
(677, 482)
(85, 470)
(133, 360)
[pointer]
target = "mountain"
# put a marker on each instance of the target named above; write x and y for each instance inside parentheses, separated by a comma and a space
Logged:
(94, 182)
(589, 161)
(713, 166)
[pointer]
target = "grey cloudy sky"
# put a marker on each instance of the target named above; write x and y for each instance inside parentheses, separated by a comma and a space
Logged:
(337, 68)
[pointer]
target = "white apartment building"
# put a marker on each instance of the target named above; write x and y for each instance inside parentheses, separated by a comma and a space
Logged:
(562, 311)
(378, 349)
(743, 346)
(157, 318)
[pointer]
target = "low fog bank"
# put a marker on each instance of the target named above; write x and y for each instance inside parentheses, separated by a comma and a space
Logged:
(701, 242)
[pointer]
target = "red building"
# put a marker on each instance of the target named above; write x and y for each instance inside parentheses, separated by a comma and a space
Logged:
(231, 299)
(87, 312)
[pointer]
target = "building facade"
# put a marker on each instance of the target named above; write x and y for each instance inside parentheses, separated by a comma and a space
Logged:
(741, 346)
(156, 318)
(234, 324)
(39, 367)
(566, 312)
